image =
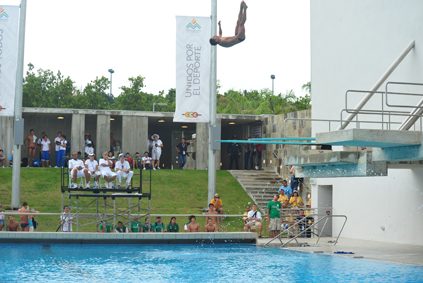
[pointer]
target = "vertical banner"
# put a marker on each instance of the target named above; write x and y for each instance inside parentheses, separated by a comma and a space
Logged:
(192, 69)
(9, 16)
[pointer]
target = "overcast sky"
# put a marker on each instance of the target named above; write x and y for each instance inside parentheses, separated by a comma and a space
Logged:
(83, 39)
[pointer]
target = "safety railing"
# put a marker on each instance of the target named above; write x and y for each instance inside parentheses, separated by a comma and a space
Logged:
(292, 229)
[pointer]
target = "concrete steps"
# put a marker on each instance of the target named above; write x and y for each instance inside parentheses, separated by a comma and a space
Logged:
(260, 185)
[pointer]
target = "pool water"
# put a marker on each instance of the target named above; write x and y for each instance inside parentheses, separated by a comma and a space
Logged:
(190, 263)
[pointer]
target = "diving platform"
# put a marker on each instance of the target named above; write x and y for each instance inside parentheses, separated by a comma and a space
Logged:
(370, 138)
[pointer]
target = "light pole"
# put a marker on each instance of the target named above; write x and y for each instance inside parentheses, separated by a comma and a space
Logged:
(154, 105)
(111, 71)
(273, 84)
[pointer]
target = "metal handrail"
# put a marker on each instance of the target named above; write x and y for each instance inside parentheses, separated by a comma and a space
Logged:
(325, 217)
(377, 85)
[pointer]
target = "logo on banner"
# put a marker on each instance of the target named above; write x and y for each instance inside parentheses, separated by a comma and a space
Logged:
(1, 108)
(3, 14)
(193, 25)
(191, 114)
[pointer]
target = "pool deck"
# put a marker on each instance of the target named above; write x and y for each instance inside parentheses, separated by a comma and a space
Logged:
(400, 253)
(126, 238)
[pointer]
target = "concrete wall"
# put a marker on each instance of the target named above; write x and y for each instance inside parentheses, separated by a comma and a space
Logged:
(77, 133)
(134, 134)
(352, 45)
(273, 127)
(103, 134)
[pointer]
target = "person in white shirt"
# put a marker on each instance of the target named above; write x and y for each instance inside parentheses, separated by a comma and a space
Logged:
(157, 152)
(91, 166)
(123, 171)
(88, 148)
(146, 161)
(254, 220)
(57, 141)
(45, 151)
(106, 172)
(66, 220)
(76, 168)
(62, 150)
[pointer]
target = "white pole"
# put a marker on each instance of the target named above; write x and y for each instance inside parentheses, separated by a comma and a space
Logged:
(16, 179)
(212, 122)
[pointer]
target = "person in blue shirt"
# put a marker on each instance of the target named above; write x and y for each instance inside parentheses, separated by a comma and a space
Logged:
(287, 189)
(2, 158)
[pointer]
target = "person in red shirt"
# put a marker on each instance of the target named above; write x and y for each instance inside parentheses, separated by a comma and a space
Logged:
(128, 158)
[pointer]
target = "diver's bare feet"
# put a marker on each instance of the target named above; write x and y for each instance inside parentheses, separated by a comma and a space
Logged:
(244, 4)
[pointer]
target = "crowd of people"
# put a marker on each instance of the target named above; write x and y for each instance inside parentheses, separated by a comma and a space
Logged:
(150, 158)
(27, 222)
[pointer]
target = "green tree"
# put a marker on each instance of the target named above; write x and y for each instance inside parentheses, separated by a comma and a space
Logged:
(93, 96)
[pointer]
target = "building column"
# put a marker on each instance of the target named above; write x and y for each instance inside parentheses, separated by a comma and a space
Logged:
(202, 147)
(77, 133)
(103, 134)
(6, 136)
(134, 134)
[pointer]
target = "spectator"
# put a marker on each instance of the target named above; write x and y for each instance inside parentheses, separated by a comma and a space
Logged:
(146, 161)
(112, 144)
(210, 226)
(173, 227)
(2, 158)
(247, 208)
(89, 149)
(186, 224)
(147, 226)
(123, 171)
(43, 134)
(290, 222)
(25, 218)
(217, 202)
(92, 142)
(193, 226)
(304, 223)
(112, 159)
(257, 153)
(274, 216)
(106, 172)
(248, 155)
(76, 169)
(57, 142)
(65, 220)
(68, 147)
(45, 151)
(287, 189)
(157, 152)
(62, 150)
(13, 226)
(105, 227)
(254, 220)
(136, 161)
(32, 143)
(283, 198)
(234, 152)
(2, 218)
(212, 211)
(158, 226)
(91, 167)
(120, 228)
(79, 156)
(128, 158)
(182, 149)
(136, 225)
(294, 181)
(296, 200)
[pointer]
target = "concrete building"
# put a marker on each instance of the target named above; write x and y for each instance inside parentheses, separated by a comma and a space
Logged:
(130, 129)
(352, 44)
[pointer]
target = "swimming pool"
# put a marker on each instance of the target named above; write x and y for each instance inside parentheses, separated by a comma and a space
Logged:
(189, 263)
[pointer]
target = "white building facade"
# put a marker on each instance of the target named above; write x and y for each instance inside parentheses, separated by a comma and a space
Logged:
(352, 44)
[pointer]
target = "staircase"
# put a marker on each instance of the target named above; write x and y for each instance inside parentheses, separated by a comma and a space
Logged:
(261, 186)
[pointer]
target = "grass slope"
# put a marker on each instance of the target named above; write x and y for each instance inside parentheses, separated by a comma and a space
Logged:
(173, 192)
